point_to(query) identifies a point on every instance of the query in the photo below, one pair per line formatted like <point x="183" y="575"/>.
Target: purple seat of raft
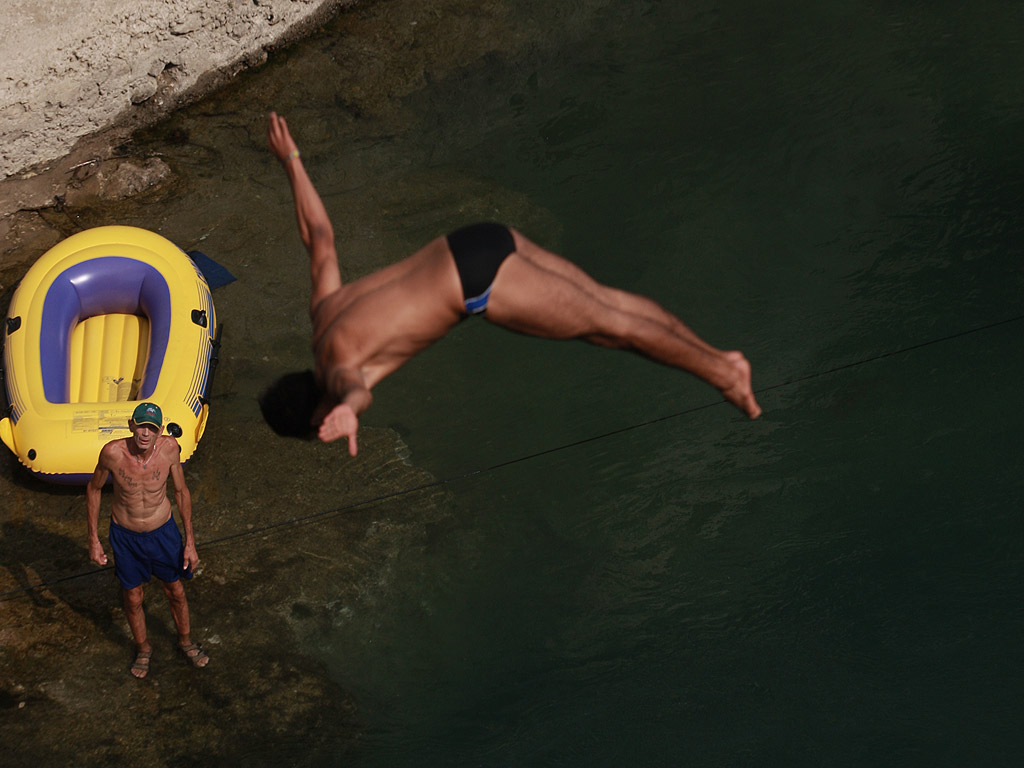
<point x="102" y="286"/>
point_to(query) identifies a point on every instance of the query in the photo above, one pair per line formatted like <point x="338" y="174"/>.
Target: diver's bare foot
<point x="140" y="667"/>
<point x="741" y="393"/>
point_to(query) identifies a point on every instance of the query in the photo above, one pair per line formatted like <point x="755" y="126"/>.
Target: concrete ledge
<point x="76" y="68"/>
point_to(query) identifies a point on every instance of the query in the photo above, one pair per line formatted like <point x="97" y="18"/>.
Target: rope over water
<point x="306" y="519"/>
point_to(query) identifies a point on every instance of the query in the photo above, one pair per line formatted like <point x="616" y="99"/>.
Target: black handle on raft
<point x="5" y="406"/>
<point x="199" y="317"/>
<point x="214" y="359"/>
<point x="13" y="324"/>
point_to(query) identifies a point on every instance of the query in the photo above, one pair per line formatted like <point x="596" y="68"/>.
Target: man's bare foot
<point x="140" y="667"/>
<point x="741" y="393"/>
<point x="196" y="655"/>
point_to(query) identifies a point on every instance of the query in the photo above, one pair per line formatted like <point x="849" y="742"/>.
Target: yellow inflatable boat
<point x="105" y="319"/>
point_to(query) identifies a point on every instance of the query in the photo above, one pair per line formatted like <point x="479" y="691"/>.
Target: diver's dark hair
<point x="288" y="404"/>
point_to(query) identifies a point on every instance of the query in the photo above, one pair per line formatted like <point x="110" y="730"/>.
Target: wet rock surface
<point x="66" y="695"/>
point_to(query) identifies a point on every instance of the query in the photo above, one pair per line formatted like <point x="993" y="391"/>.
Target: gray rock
<point x="68" y="70"/>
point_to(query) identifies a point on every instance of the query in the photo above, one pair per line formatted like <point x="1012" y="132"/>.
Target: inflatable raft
<point x="104" y="320"/>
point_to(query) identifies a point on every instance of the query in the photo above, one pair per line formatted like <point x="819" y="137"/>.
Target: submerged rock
<point x="117" y="179"/>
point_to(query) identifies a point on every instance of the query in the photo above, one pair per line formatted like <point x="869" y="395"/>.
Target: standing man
<point x="366" y="329"/>
<point x="143" y="535"/>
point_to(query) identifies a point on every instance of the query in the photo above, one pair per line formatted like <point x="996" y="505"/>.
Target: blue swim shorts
<point x="139" y="555"/>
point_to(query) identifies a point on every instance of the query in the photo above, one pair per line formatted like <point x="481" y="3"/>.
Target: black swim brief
<point x="479" y="250"/>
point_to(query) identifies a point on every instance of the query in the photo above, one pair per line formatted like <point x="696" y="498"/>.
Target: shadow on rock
<point x="49" y="568"/>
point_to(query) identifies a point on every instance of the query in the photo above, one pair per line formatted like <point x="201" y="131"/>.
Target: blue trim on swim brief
<point x="479" y="251"/>
<point x="478" y="304"/>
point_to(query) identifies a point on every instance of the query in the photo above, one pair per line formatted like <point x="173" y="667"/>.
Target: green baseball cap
<point x="148" y="413"/>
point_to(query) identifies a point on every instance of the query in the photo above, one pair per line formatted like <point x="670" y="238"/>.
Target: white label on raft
<point x="105" y="423"/>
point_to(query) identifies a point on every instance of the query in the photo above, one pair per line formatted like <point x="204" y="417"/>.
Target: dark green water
<point x="834" y="188"/>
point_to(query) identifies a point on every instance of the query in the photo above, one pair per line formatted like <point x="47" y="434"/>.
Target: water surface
<point x="620" y="569"/>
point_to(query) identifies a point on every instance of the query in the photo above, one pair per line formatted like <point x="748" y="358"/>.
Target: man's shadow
<point x="44" y="564"/>
<point x="47" y="565"/>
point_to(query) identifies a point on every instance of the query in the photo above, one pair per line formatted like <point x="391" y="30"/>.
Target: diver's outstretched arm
<point x="314" y="224"/>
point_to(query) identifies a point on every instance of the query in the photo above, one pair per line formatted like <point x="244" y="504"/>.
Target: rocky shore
<point x="77" y="78"/>
<point x="295" y="546"/>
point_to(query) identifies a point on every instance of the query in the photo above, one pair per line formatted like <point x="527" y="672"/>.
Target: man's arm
<point x="346" y="387"/>
<point x="314" y="225"/>
<point x="183" y="498"/>
<point x="93" y="495"/>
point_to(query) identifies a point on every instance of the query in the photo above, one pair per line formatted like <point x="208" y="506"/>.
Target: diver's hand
<point x="280" y="139"/>
<point x="340" y="422"/>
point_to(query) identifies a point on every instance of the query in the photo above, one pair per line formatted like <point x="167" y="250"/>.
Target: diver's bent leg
<point x="538" y="302"/>
<point x="623" y="300"/>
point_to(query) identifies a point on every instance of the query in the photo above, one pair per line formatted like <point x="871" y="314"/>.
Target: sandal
<point x="196" y="655"/>
<point x="140" y="667"/>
